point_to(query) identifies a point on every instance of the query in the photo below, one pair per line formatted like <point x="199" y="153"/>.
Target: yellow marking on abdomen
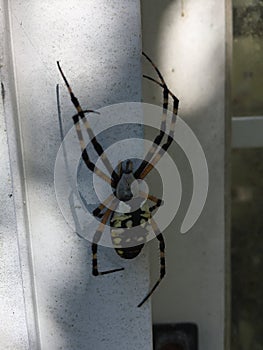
<point x="129" y="224"/>
<point x="116" y="240"/>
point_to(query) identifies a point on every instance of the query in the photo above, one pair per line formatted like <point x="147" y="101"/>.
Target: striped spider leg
<point x="160" y="238"/>
<point x="95" y="241"/>
<point x="98" y="148"/>
<point x="151" y="158"/>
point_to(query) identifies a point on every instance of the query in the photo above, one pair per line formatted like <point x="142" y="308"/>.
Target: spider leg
<point x="96" y="239"/>
<point x="85" y="156"/>
<point x="162" y="84"/>
<point x="155" y="67"/>
<point x="170" y="136"/>
<point x="97" y="212"/>
<point x="145" y="167"/>
<point x="164" y="147"/>
<point x="157" y="205"/>
<point x="98" y="148"/>
<point x="160" y="238"/>
<point x="160" y="136"/>
<point x="90" y="165"/>
<point x="158" y="202"/>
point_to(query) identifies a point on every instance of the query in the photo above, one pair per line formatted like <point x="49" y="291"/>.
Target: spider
<point x="129" y="228"/>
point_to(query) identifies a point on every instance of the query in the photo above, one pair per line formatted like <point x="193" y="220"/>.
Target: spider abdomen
<point x="129" y="253"/>
<point x="129" y="231"/>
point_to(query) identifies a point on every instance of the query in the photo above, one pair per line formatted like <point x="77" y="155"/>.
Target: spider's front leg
<point x="152" y="157"/>
<point x="98" y="148"/>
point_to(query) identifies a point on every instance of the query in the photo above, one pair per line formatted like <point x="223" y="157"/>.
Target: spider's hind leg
<point x="160" y="238"/>
<point x="94" y="247"/>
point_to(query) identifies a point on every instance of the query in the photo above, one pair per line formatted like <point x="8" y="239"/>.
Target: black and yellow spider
<point x="129" y="229"/>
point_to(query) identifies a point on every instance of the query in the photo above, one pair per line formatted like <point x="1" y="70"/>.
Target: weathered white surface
<point x="18" y="326"/>
<point x="13" y="330"/>
<point x="98" y="45"/>
<point x="189" y="49"/>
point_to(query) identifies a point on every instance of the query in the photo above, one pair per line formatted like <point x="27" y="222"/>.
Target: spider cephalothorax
<point x="126" y="187"/>
<point x="127" y="209"/>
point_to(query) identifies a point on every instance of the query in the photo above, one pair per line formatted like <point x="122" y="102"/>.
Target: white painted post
<point x="188" y="41"/>
<point x="98" y="46"/>
<point x="13" y="330"/>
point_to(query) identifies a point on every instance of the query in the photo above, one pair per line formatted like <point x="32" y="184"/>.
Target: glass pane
<point x="247" y="249"/>
<point x="247" y="82"/>
<point x="247" y="180"/>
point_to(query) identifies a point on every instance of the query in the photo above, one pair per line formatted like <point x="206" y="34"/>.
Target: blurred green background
<point x="247" y="180"/>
